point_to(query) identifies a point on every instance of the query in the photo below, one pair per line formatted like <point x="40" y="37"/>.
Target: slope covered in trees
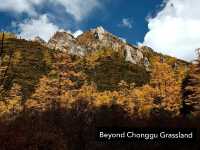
<point x="36" y="75"/>
<point x="50" y="99"/>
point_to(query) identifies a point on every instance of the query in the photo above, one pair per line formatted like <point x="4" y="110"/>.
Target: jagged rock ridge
<point x="66" y="42"/>
<point x="93" y="40"/>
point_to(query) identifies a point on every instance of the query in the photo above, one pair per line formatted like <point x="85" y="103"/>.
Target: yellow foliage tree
<point x="12" y="104"/>
<point x="166" y="86"/>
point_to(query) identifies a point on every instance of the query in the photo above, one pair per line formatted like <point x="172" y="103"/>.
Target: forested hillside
<point x="53" y="99"/>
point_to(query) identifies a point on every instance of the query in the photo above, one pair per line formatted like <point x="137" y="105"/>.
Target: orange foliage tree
<point x="167" y="87"/>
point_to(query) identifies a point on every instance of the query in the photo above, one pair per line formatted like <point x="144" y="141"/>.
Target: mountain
<point x="110" y="56"/>
<point x="104" y="58"/>
<point x="54" y="94"/>
<point x="99" y="39"/>
<point x="93" y="40"/>
<point x="96" y="57"/>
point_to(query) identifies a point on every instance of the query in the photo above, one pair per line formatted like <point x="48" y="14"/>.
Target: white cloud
<point x="39" y="24"/>
<point x="126" y="22"/>
<point x="176" y="29"/>
<point x="20" y="6"/>
<point x="41" y="27"/>
<point x="79" y="9"/>
<point x="77" y="33"/>
<point x="37" y="27"/>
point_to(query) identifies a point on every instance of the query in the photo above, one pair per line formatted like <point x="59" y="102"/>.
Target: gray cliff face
<point x="65" y="42"/>
<point x="133" y="55"/>
<point x="93" y="40"/>
<point x="61" y="40"/>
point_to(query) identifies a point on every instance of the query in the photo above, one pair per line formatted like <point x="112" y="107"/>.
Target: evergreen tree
<point x="191" y="90"/>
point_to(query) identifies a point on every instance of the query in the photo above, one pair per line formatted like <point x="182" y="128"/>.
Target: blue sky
<point x="168" y="26"/>
<point x="110" y="15"/>
<point x="134" y="11"/>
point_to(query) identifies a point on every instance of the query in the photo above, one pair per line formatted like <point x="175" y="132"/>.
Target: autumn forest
<point x="53" y="100"/>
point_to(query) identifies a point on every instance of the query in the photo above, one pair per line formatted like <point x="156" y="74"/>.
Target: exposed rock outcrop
<point x="65" y="42"/>
<point x="94" y="40"/>
<point x="99" y="38"/>
<point x="133" y="55"/>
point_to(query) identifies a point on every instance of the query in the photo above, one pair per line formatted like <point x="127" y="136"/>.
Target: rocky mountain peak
<point x="99" y="32"/>
<point x="64" y="41"/>
<point x="39" y="40"/>
<point x="62" y="36"/>
<point x="99" y="38"/>
<point x="61" y="41"/>
<point x="94" y="40"/>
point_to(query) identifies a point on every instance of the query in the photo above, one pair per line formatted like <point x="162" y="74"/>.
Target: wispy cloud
<point x="79" y="9"/>
<point x="127" y="23"/>
<point x="20" y="6"/>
